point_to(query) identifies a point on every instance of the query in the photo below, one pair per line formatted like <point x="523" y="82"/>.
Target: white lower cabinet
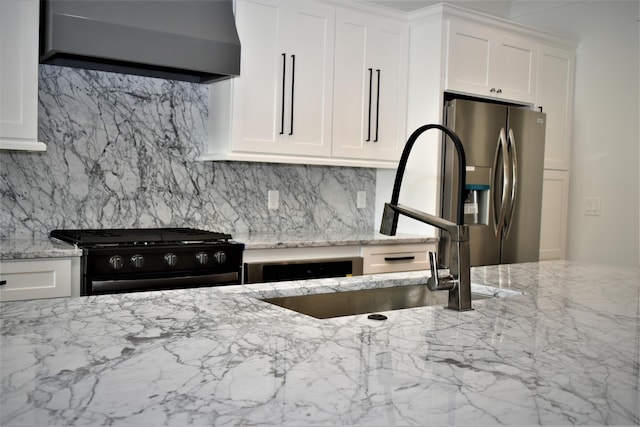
<point x="39" y="278"/>
<point x="555" y="201"/>
<point x="395" y="258"/>
<point x="381" y="258"/>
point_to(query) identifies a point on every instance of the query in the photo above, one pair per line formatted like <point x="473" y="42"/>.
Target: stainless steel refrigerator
<point x="504" y="148"/>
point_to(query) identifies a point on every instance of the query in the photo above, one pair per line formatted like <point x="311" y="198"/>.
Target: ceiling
<point x="502" y="8"/>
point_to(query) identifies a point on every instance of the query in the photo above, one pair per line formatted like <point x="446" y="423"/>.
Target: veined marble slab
<point x="122" y="152"/>
<point x="565" y="352"/>
<point x="324" y="238"/>
<point x="36" y="248"/>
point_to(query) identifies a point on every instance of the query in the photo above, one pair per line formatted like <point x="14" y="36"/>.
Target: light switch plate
<point x="361" y="200"/>
<point x="273" y="199"/>
<point x="592" y="206"/>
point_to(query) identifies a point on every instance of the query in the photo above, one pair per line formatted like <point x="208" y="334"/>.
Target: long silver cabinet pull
<point x="377" y="105"/>
<point x="293" y="79"/>
<point x="370" y="102"/>
<point x="511" y="142"/>
<point x="284" y="76"/>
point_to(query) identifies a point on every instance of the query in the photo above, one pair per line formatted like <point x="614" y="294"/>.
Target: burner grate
<point x="138" y="236"/>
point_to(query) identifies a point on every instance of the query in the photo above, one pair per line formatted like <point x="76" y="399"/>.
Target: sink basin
<point x="336" y="304"/>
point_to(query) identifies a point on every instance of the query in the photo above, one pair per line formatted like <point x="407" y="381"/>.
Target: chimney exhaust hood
<point x="188" y="40"/>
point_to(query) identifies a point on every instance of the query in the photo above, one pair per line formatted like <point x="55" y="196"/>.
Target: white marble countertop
<point x="305" y="239"/>
<point x="565" y="352"/>
<point x="48" y="248"/>
<point x="36" y="248"/>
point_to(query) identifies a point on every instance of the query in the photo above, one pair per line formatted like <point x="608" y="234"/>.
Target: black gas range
<point x="143" y="259"/>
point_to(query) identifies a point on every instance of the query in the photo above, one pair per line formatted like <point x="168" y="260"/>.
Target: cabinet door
<point x="490" y="63"/>
<point x="554" y="94"/>
<point x="257" y="94"/>
<point x="309" y="47"/>
<point x="282" y="99"/>
<point x="513" y="68"/>
<point x="370" y="87"/>
<point x="33" y="279"/>
<point x="469" y="56"/>
<point x="19" y="75"/>
<point x="393" y="258"/>
<point x="389" y="53"/>
<point x="553" y="228"/>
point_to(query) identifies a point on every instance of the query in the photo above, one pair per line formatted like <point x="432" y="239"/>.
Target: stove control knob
<point x="116" y="262"/>
<point x="137" y="260"/>
<point x="171" y="259"/>
<point x="202" y="258"/>
<point x="220" y="257"/>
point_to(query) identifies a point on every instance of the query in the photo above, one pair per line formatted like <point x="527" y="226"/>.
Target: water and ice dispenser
<point x="477" y="195"/>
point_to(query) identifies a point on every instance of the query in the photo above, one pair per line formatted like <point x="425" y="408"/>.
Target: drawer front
<point x="33" y="279"/>
<point x="395" y="258"/>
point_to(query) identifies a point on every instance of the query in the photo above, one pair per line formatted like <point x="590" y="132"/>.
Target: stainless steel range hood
<point x="189" y="40"/>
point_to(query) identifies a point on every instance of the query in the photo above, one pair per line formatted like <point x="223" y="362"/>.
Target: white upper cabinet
<point x="305" y="88"/>
<point x="489" y="62"/>
<point x="370" y="95"/>
<point x="281" y="103"/>
<point x="554" y="95"/>
<point x="19" y="21"/>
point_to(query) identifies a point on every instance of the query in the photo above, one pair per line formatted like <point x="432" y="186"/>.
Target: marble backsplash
<point x="122" y="152"/>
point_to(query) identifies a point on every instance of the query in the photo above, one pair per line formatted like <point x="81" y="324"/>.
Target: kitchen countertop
<point x="306" y="239"/>
<point x="36" y="248"/>
<point x="48" y="248"/>
<point x="565" y="352"/>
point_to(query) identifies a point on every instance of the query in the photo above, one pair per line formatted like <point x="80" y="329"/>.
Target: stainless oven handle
<point x="101" y="286"/>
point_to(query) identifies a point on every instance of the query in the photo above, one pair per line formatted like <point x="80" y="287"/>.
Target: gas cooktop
<point x="138" y="236"/>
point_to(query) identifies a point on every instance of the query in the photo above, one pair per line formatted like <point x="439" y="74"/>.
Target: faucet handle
<point x="434" y="283"/>
<point x="433" y="265"/>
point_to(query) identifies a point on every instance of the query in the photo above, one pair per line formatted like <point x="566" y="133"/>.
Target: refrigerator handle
<point x="514" y="182"/>
<point x="501" y="212"/>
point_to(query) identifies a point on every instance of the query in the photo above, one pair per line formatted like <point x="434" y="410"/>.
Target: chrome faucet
<point x="458" y="282"/>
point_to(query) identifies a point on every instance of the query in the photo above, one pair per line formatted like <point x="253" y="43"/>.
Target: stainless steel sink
<point x="336" y="304"/>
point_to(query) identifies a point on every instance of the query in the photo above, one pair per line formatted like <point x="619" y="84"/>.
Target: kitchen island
<point x="567" y="351"/>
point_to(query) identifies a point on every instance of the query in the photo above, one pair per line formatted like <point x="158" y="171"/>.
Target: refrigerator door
<point x="478" y="125"/>
<point x="522" y="243"/>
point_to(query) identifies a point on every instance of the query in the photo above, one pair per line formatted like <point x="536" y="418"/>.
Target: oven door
<point x="98" y="285"/>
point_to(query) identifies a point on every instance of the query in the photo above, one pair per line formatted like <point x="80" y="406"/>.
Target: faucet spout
<point x="459" y="282"/>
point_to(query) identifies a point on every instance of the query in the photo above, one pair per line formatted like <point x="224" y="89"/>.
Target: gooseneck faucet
<point x="458" y="283"/>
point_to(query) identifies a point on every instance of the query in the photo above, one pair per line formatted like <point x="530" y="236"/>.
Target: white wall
<point x="606" y="139"/>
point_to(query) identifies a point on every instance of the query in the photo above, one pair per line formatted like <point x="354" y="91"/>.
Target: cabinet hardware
<point x="399" y="258"/>
<point x="370" y="102"/>
<point x="499" y="91"/>
<point x="377" y="105"/>
<point x="3" y="282"/>
<point x="284" y="92"/>
<point x="284" y="72"/>
<point x="293" y="77"/>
